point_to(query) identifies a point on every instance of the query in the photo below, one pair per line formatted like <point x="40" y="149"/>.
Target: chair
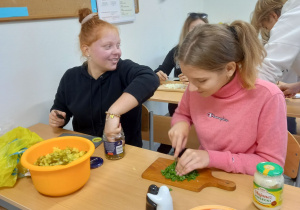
<point x="292" y="161"/>
<point x="155" y="129"/>
<point x="147" y="126"/>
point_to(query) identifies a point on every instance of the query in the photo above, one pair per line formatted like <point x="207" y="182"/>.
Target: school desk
<point x="118" y="185"/>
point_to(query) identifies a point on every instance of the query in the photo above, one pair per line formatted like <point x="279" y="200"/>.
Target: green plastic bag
<point x="12" y="145"/>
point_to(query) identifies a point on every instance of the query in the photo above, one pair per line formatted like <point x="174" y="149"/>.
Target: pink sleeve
<point x="182" y="113"/>
<point x="271" y="141"/>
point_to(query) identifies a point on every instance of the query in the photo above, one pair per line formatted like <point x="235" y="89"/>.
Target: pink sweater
<point x="237" y="127"/>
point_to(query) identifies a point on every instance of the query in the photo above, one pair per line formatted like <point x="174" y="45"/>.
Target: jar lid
<point x="96" y="162"/>
<point x="269" y="169"/>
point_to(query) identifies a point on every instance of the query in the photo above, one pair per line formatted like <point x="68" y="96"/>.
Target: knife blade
<point x="180" y="154"/>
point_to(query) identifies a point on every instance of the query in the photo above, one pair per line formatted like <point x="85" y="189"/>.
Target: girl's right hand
<point x="162" y="76"/>
<point x="178" y="135"/>
<point x="56" y="121"/>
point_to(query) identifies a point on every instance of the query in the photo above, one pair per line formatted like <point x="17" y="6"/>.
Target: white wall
<point x="35" y="54"/>
<point x="229" y="10"/>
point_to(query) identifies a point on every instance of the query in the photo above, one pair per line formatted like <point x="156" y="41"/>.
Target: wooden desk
<point x="118" y="185"/>
<point x="293" y="107"/>
<point x="166" y="96"/>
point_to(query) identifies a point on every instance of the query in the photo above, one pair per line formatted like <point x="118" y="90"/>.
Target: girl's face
<point x="105" y="53"/>
<point x="195" y="23"/>
<point x="207" y="82"/>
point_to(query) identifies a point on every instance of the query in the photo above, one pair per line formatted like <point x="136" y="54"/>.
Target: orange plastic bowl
<point x="62" y="179"/>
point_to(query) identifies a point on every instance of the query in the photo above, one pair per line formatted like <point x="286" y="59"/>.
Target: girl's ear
<point x="230" y="68"/>
<point x="85" y="50"/>
<point x="274" y="16"/>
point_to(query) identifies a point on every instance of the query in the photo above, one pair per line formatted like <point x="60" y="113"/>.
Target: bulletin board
<point x="45" y="9"/>
<point x="42" y="9"/>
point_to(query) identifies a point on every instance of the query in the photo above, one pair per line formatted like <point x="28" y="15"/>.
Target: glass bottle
<point x="268" y="186"/>
<point x="114" y="150"/>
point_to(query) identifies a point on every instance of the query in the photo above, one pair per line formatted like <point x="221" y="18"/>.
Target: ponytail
<point x="253" y="52"/>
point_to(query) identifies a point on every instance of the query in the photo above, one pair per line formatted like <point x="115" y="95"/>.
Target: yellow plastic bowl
<point x="62" y="179"/>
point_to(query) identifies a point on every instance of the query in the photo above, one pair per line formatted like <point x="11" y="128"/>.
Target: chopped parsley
<point x="170" y="173"/>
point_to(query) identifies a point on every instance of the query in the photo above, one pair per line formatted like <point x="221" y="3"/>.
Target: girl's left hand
<point x="192" y="159"/>
<point x="112" y="128"/>
<point x="183" y="78"/>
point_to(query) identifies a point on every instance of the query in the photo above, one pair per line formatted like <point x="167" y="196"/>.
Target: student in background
<point x="170" y="63"/>
<point x="239" y="119"/>
<point x="105" y="93"/>
<point x="279" y="19"/>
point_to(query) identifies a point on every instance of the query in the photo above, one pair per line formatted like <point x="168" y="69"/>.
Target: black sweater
<point x="169" y="63"/>
<point x="86" y="99"/>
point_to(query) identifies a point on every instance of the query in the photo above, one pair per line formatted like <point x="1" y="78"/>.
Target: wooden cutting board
<point x="205" y="178"/>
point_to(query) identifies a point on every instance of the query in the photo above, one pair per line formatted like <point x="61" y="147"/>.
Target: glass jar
<point x="114" y="150"/>
<point x="267" y="186"/>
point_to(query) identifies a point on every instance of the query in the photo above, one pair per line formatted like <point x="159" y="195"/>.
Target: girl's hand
<point x="162" y="76"/>
<point x="112" y="128"/>
<point x="183" y="78"/>
<point x="178" y="135"/>
<point x="55" y="118"/>
<point x="190" y="160"/>
<point x="289" y="90"/>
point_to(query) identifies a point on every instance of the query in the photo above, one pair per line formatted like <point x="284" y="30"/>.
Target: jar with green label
<point x="268" y="186"/>
<point x="114" y="150"/>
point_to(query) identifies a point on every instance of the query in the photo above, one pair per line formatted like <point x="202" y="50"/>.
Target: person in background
<point x="170" y="63"/>
<point x="105" y="93"/>
<point x="239" y="119"/>
<point x="279" y="19"/>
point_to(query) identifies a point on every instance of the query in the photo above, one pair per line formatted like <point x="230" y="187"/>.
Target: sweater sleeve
<point x="169" y="63"/>
<point x="277" y="61"/>
<point x="271" y="142"/>
<point x="140" y="81"/>
<point x="182" y="113"/>
<point x="60" y="99"/>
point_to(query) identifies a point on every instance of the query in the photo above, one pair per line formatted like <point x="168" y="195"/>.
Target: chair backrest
<point x="292" y="160"/>
<point x="145" y="119"/>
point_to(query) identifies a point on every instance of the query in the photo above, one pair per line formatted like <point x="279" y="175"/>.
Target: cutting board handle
<point x="224" y="184"/>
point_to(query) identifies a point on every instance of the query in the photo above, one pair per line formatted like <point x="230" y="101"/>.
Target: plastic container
<point x="114" y="150"/>
<point x="61" y="179"/>
<point x="268" y="186"/>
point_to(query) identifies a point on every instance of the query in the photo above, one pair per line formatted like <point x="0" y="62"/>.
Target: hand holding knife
<point x="180" y="154"/>
<point x="59" y="115"/>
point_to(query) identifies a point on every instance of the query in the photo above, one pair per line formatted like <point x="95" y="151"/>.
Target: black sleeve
<point x="60" y="99"/>
<point x="169" y="62"/>
<point x="140" y="81"/>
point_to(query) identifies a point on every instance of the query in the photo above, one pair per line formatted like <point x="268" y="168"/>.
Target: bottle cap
<point x="96" y="162"/>
<point x="269" y="169"/>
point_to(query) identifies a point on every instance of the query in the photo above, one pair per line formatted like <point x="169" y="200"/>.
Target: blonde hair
<point x="191" y="18"/>
<point x="262" y="11"/>
<point x="92" y="27"/>
<point x="213" y="46"/>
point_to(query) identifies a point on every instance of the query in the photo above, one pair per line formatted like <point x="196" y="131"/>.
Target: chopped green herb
<point x="170" y="173"/>
<point x="170" y="189"/>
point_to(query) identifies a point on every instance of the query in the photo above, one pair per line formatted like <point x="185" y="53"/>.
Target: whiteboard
<point x="116" y="11"/>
